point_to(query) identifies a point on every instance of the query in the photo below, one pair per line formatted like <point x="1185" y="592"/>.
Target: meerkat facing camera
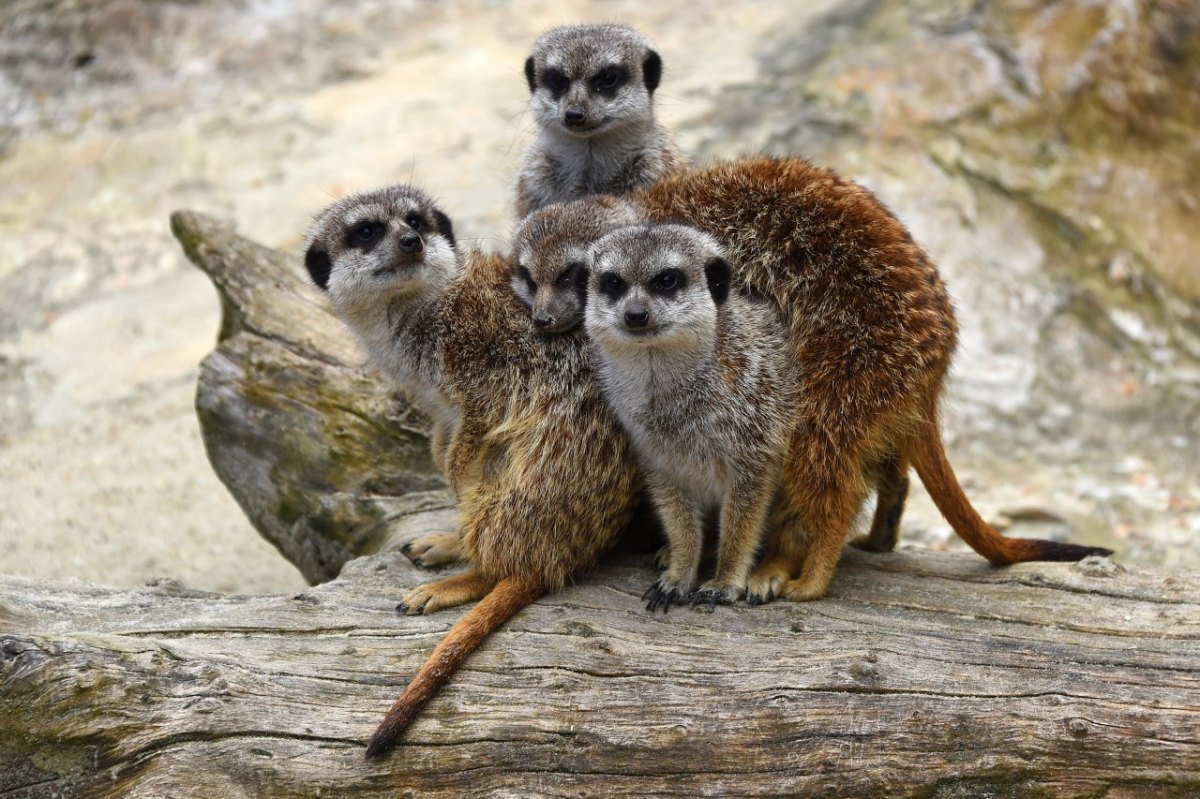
<point x="592" y="95"/>
<point x="702" y="381"/>
<point x="526" y="411"/>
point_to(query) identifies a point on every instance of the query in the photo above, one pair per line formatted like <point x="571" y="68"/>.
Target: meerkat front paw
<point x="664" y="593"/>
<point x="802" y="590"/>
<point x="433" y="550"/>
<point x="712" y="593"/>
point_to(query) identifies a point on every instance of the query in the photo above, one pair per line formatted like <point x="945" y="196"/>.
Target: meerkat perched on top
<point x="528" y="418"/>
<point x="871" y="323"/>
<point x="592" y="95"/>
<point x="702" y="382"/>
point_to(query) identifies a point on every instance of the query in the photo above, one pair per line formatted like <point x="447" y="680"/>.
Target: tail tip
<point x="380" y="742"/>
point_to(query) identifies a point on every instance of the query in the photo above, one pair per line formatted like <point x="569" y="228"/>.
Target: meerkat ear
<point x="530" y="75"/>
<point x="444" y="226"/>
<point x="718" y="273"/>
<point x="316" y="261"/>
<point x="652" y="71"/>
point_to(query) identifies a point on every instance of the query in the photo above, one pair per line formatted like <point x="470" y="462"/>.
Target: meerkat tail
<point x="509" y="596"/>
<point x="929" y="459"/>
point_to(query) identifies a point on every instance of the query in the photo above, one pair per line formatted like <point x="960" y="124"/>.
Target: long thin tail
<point x="509" y="596"/>
<point x="929" y="459"/>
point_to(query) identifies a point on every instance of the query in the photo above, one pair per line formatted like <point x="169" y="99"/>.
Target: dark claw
<point x="657" y="598"/>
<point x="709" y="598"/>
<point x="406" y="549"/>
<point x="754" y="599"/>
<point x="402" y="607"/>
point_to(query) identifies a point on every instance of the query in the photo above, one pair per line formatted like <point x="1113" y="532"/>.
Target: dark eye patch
<point x="523" y="273"/>
<point x="612" y="285"/>
<point x="609" y="80"/>
<point x="668" y="282"/>
<point x="556" y="82"/>
<point x="572" y="274"/>
<point x="365" y="234"/>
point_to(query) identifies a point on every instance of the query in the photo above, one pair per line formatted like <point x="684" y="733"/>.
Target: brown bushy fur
<point x="872" y="325"/>
<point x="544" y="477"/>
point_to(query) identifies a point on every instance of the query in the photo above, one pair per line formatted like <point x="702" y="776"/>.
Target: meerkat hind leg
<point x="457" y="589"/>
<point x="892" y="486"/>
<point x="828" y="522"/>
<point x="782" y="557"/>
<point x="429" y="551"/>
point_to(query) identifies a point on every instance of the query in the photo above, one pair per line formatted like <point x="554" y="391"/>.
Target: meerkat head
<point x="380" y="244"/>
<point x="550" y="253"/>
<point x="591" y="79"/>
<point x="656" y="286"/>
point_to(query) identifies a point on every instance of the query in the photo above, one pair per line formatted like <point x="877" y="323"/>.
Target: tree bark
<point x="922" y="675"/>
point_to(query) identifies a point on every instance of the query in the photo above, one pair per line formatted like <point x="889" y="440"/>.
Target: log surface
<point x="922" y="675"/>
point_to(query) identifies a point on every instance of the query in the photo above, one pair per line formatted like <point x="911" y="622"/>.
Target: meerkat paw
<point x="433" y="550"/>
<point x="454" y="590"/>
<point x="712" y="593"/>
<point x="868" y="543"/>
<point x="804" y="590"/>
<point x="767" y="581"/>
<point x="664" y="593"/>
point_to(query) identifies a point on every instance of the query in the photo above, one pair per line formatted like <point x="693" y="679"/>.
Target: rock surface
<point x="1044" y="152"/>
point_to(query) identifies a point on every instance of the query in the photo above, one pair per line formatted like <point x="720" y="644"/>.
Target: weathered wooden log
<point x="316" y="447"/>
<point x="922" y="675"/>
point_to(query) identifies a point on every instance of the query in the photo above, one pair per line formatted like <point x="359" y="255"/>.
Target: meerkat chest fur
<point x="701" y="379"/>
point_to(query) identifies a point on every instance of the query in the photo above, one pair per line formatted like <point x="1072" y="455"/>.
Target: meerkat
<point x="544" y="477"/>
<point x="592" y="94"/>
<point x="701" y="380"/>
<point x="871" y="321"/>
<point x="550" y="251"/>
<point x="872" y="325"/>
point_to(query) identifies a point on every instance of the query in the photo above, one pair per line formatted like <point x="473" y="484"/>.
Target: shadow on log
<point x="922" y="674"/>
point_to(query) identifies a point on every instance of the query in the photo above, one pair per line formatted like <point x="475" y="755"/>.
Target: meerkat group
<point x="759" y="340"/>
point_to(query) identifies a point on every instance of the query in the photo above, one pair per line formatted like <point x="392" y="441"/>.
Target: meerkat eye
<point x="530" y="283"/>
<point x="415" y="222"/>
<point x="366" y="233"/>
<point x="556" y="81"/>
<point x="608" y="78"/>
<point x="612" y="286"/>
<point x="667" y="281"/>
<point x="572" y="274"/>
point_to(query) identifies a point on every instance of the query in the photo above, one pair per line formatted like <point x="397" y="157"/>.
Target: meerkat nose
<point x="540" y="321"/>
<point x="636" y="316"/>
<point x="574" y="116"/>
<point x="410" y="242"/>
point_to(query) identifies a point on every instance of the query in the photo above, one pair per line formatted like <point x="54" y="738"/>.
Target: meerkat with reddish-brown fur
<point x="550" y="249"/>
<point x="703" y="384"/>
<point x="591" y="92"/>
<point x="874" y="329"/>
<point x="872" y="325"/>
<point x="529" y="424"/>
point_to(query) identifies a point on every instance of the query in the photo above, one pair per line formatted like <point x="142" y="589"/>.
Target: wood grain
<point x="922" y="675"/>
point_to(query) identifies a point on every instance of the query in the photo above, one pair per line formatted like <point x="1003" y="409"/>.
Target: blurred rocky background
<point x="1046" y="153"/>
